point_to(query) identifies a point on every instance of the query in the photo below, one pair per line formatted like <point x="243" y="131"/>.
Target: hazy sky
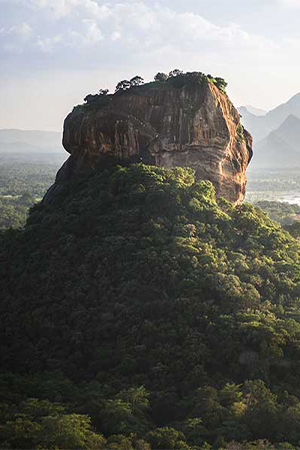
<point x="54" y="52"/>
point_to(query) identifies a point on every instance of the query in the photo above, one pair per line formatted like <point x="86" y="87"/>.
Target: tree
<point x="210" y="77"/>
<point x="119" y="442"/>
<point x="103" y="91"/>
<point x="160" y="76"/>
<point x="117" y="417"/>
<point x="166" y="438"/>
<point x="123" y="85"/>
<point x="136" y="81"/>
<point x="261" y="414"/>
<point x="136" y="397"/>
<point x="195" y="431"/>
<point x="19" y="433"/>
<point x="46" y="425"/>
<point x="90" y="98"/>
<point x="175" y="73"/>
<point x="221" y="84"/>
<point x="68" y="431"/>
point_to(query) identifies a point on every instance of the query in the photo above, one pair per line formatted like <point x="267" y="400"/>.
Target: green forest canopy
<point x="137" y="312"/>
<point x="176" y="79"/>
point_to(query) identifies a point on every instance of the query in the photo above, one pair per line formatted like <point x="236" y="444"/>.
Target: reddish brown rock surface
<point x="194" y="126"/>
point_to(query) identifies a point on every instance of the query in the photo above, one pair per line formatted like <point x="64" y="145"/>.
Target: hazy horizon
<point x="54" y="52"/>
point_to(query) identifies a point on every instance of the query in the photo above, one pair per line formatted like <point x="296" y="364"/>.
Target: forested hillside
<point x="21" y="185"/>
<point x="139" y="313"/>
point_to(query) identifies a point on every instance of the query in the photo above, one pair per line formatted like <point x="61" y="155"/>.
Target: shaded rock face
<point x="196" y="126"/>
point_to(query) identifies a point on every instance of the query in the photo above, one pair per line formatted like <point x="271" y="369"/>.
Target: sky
<point x="55" y="52"/>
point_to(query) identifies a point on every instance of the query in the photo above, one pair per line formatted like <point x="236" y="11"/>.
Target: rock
<point x="195" y="126"/>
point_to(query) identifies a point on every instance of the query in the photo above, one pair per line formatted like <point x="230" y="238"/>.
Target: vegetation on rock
<point x="240" y="132"/>
<point x="176" y="78"/>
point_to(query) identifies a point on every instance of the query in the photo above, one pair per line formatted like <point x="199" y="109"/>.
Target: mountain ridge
<point x="281" y="147"/>
<point x="254" y="110"/>
<point x="30" y="142"/>
<point x="261" y="126"/>
<point x="289" y="130"/>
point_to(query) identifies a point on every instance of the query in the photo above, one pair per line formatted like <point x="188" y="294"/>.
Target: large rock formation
<point x="195" y="126"/>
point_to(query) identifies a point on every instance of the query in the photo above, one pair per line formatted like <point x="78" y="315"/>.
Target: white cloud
<point x="154" y="27"/>
<point x="132" y="27"/>
<point x="125" y="37"/>
<point x="93" y="33"/>
<point x="59" y="8"/>
<point x="90" y="35"/>
<point x="63" y="8"/>
<point x="22" y="31"/>
<point x="25" y="30"/>
<point x="116" y="35"/>
<point x="142" y="26"/>
<point x="46" y="45"/>
<point x="15" y="38"/>
<point x="290" y="3"/>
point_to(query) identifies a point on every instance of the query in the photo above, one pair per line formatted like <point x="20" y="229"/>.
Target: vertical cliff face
<point x="194" y="126"/>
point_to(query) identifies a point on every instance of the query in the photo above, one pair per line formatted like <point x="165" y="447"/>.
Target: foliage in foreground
<point x="136" y="312"/>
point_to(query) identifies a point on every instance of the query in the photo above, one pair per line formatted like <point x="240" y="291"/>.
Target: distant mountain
<point x="281" y="148"/>
<point x="277" y="116"/>
<point x="274" y="152"/>
<point x="21" y="141"/>
<point x="256" y="111"/>
<point x="18" y="147"/>
<point x="289" y="130"/>
<point x="261" y="126"/>
<point x="256" y="125"/>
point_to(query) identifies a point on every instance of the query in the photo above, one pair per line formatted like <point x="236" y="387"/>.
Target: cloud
<point x="25" y="30"/>
<point x="46" y="45"/>
<point x="87" y="33"/>
<point x="14" y="39"/>
<point x="116" y="35"/>
<point x="290" y="3"/>
<point x="58" y="8"/>
<point x="127" y="28"/>
<point x="63" y="8"/>
<point x="90" y="35"/>
<point x="98" y="42"/>
<point x="22" y="31"/>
